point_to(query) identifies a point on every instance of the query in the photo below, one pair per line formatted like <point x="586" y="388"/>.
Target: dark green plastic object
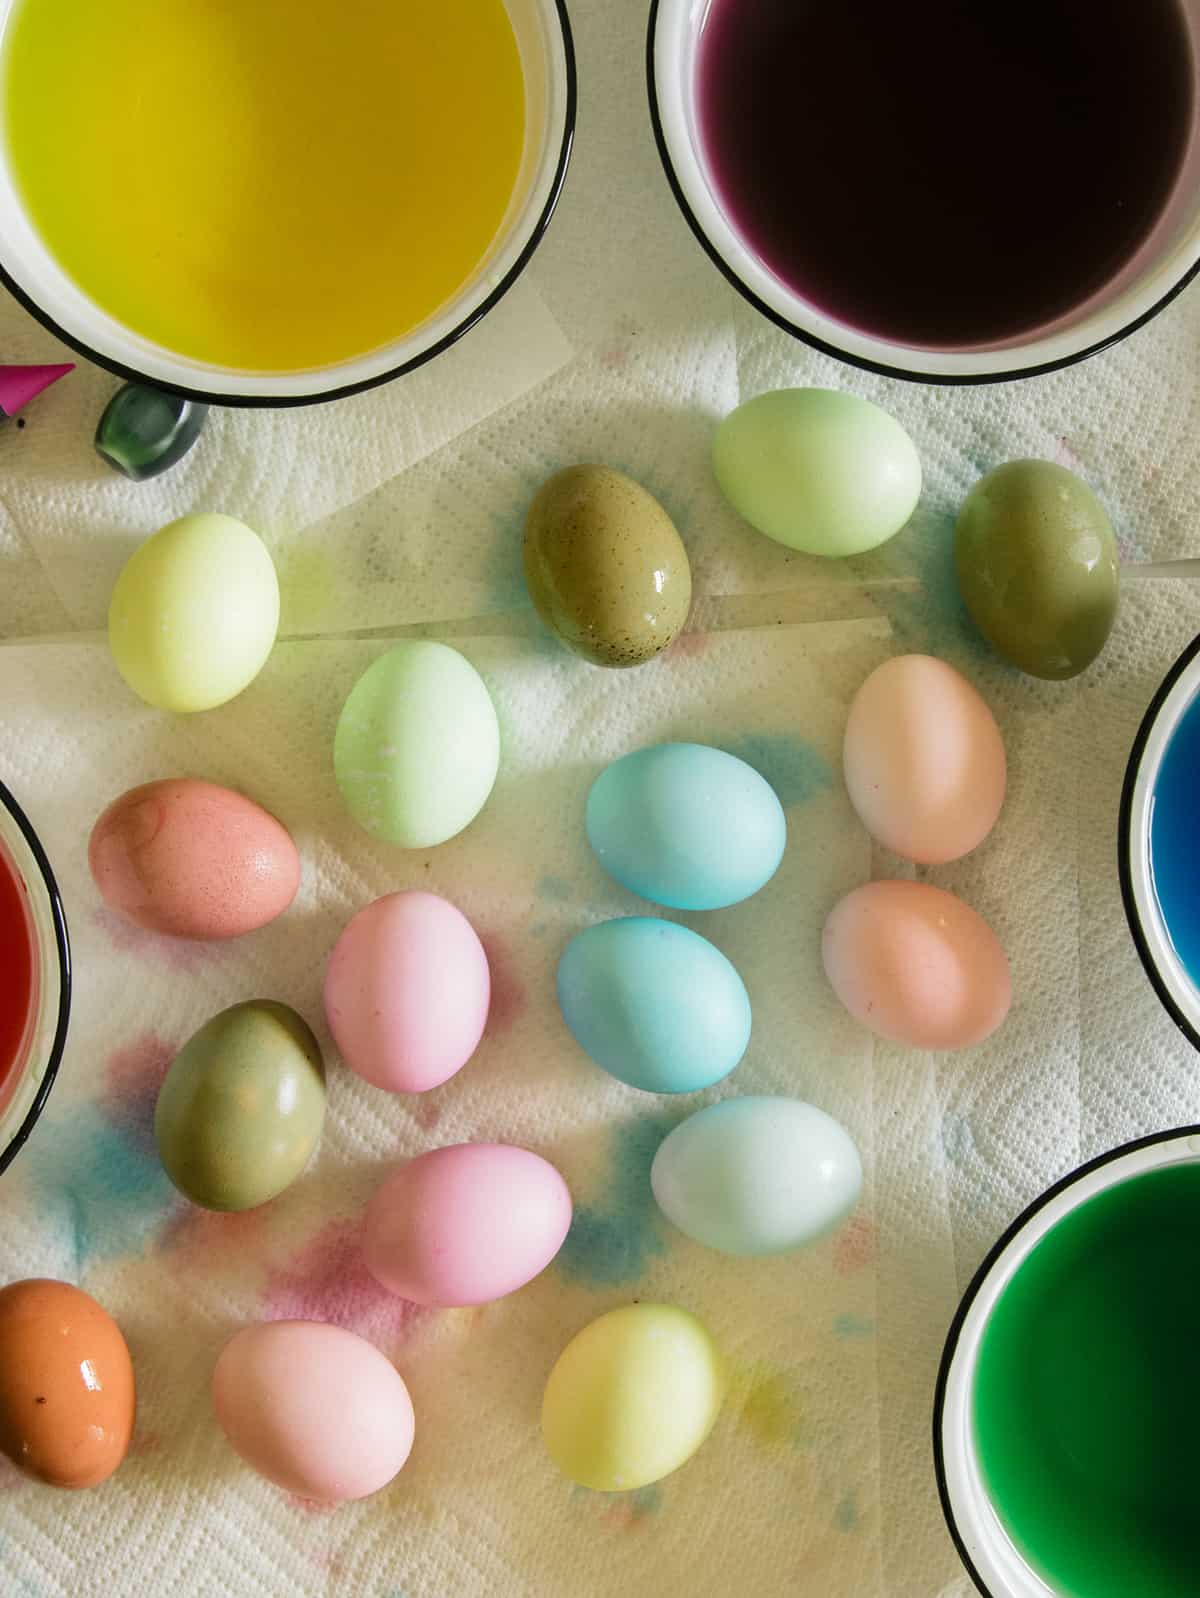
<point x="1038" y="567"/>
<point x="145" y="432"/>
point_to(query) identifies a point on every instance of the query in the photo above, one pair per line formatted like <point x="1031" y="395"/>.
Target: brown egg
<point x="194" y="860"/>
<point x="67" y="1398"/>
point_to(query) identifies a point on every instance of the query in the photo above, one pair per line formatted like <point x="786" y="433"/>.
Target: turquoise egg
<point x="686" y="826"/>
<point x="654" y="1004"/>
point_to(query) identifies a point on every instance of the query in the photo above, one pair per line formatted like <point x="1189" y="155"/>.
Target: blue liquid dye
<point x="1175" y="839"/>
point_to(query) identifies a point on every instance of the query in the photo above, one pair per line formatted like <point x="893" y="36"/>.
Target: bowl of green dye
<point x="1067" y="1414"/>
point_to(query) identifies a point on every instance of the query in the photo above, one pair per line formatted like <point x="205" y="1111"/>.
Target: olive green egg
<point x="240" y="1111"/>
<point x="1038" y="567"/>
<point x="605" y="566"/>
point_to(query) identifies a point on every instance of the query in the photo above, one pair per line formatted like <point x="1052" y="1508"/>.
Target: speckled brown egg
<point x="193" y="859"/>
<point x="605" y="567"/>
<point x="67" y="1399"/>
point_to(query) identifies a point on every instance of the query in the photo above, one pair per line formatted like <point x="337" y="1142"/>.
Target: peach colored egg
<point x="924" y="760"/>
<point x="916" y="965"/>
<point x="193" y="859"/>
<point x="315" y="1409"/>
<point x="466" y="1224"/>
<point x="407" y="991"/>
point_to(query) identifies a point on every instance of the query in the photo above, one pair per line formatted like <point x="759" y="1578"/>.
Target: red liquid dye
<point x="16" y="972"/>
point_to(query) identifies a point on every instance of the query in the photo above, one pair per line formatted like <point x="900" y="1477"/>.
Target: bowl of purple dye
<point x="951" y="191"/>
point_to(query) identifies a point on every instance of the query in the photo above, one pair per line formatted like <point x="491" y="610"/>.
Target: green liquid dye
<point x="1087" y="1395"/>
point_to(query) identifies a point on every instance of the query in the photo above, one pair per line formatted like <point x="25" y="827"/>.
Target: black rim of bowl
<point x="968" y="1299"/>
<point x="64" y="965"/>
<point x="290" y="401"/>
<point x="1125" y="850"/>
<point x="864" y="363"/>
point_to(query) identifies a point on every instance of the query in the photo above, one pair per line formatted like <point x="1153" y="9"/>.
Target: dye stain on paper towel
<point x="328" y="1280"/>
<point x="611" y="1240"/>
<point x="770" y="1405"/>
<point x="795" y="768"/>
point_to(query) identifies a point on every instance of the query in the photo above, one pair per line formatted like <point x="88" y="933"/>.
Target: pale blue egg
<point x="757" y="1175"/>
<point x="686" y="826"/>
<point x="655" y="1004"/>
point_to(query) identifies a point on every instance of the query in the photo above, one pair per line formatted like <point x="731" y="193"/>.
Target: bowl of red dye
<point x="945" y="192"/>
<point x="35" y="978"/>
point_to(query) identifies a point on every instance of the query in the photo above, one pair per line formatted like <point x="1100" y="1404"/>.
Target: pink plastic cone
<point x="20" y="384"/>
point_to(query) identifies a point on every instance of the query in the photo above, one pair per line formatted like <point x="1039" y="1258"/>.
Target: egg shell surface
<point x="916" y="965"/>
<point x="193" y="860"/>
<point x="818" y="470"/>
<point x="686" y="826"/>
<point x="757" y="1175"/>
<point x="605" y="567"/>
<point x="67" y="1396"/>
<point x="407" y="991"/>
<point x="240" y="1111"/>
<point x="655" y="1004"/>
<point x="417" y="746"/>
<point x="194" y="613"/>
<point x="924" y="760"/>
<point x="632" y="1397"/>
<point x="466" y="1224"/>
<point x="314" y="1408"/>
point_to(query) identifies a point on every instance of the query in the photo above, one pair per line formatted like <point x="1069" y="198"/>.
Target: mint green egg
<point x="417" y="745"/>
<point x="817" y="470"/>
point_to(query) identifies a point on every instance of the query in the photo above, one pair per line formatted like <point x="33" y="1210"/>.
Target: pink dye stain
<point x="854" y="1246"/>
<point x="427" y="1114"/>
<point x="328" y="1280"/>
<point x="310" y="1506"/>
<point x="509" y="1000"/>
<point x="688" y="646"/>
<point x="182" y="954"/>
<point x="1064" y="455"/>
<point x="132" y="1078"/>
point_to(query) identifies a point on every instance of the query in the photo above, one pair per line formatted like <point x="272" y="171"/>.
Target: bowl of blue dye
<point x="1159" y="859"/>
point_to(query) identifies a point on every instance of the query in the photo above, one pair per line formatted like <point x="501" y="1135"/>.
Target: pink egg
<point x="407" y="992"/>
<point x="194" y="860"/>
<point x="313" y="1408"/>
<point x="466" y="1224"/>
<point x="916" y="965"/>
<point x="924" y="760"/>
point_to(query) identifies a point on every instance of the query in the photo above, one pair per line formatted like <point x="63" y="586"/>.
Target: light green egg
<point x="194" y="613"/>
<point x="417" y="745"/>
<point x="817" y="470"/>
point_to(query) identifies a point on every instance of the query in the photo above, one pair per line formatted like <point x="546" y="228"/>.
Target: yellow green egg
<point x="632" y="1397"/>
<point x="194" y="613"/>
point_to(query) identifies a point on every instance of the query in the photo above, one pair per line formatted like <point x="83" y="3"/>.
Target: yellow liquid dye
<point x="265" y="184"/>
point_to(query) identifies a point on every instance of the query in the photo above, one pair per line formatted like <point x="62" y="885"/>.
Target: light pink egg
<point x="407" y="992"/>
<point x="313" y="1408"/>
<point x="193" y="859"/>
<point x="917" y="965"/>
<point x="924" y="760"/>
<point x="466" y="1224"/>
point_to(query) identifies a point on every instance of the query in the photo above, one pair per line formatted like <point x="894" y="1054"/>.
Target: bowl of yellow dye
<point x="274" y="202"/>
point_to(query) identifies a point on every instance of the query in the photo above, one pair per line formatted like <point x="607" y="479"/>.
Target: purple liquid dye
<point x="945" y="172"/>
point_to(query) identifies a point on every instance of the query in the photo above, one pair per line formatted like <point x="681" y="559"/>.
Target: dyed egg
<point x="466" y="1224"/>
<point x="1038" y="567"/>
<point x="240" y="1111"/>
<point x="757" y="1175"/>
<point x="924" y="760"/>
<point x="194" y="860"/>
<point x="632" y="1397"/>
<point x="605" y="567"/>
<point x="194" y="613"/>
<point x="654" y="1004"/>
<point x="313" y="1408"/>
<point x="916" y="965"/>
<point x="417" y="746"/>
<point x="407" y="992"/>
<point x="67" y="1398"/>
<point x="687" y="826"/>
<point x="817" y="470"/>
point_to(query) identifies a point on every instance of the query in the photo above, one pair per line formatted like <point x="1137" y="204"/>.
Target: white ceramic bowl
<point x="31" y="273"/>
<point x="46" y="1030"/>
<point x="1165" y="264"/>
<point x="984" y="1546"/>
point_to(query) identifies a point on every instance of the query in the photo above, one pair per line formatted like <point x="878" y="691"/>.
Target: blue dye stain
<point x="555" y="889"/>
<point x="932" y="618"/>
<point x="845" y="1516"/>
<point x="795" y="769"/>
<point x="958" y="1141"/>
<point x="108" y="1189"/>
<point x="610" y="1241"/>
<point x="503" y="565"/>
<point x="853" y="1326"/>
<point x="646" y="1501"/>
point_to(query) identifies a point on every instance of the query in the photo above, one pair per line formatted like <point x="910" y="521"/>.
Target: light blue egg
<point x="655" y="1004"/>
<point x="757" y="1175"/>
<point x="686" y="826"/>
